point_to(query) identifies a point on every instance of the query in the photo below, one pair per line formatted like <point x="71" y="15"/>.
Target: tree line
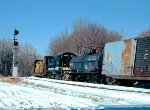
<point x="24" y="58"/>
<point x="83" y="35"/>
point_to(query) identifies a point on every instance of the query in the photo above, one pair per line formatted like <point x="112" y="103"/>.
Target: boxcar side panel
<point x="119" y="58"/>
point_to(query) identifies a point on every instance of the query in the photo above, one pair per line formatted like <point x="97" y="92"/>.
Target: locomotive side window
<point x="51" y="63"/>
<point x="65" y="60"/>
<point x="58" y="61"/>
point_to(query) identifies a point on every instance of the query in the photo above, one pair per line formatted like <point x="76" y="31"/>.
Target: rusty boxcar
<point x="127" y="60"/>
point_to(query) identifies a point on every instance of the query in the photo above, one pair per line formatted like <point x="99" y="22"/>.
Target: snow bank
<point x="40" y="93"/>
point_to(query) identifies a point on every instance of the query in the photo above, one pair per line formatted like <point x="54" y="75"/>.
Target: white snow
<point x="41" y="93"/>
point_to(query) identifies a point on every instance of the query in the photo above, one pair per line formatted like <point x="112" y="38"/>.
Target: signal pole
<point x="15" y="69"/>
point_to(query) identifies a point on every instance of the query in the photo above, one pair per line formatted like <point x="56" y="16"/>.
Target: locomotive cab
<point x="59" y="65"/>
<point x="63" y="59"/>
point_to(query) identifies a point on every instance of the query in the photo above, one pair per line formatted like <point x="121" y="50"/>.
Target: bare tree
<point x="26" y="57"/>
<point x="145" y="33"/>
<point x="58" y="44"/>
<point x="84" y="34"/>
<point x="5" y="56"/>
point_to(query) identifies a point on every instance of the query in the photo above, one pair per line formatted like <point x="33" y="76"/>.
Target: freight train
<point x="121" y="62"/>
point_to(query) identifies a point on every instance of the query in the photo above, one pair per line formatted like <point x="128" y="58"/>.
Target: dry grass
<point x="1" y="75"/>
<point x="18" y="80"/>
<point x="10" y="79"/>
<point x="118" y="100"/>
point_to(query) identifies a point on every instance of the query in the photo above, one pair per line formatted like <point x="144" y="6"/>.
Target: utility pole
<point x="15" y="69"/>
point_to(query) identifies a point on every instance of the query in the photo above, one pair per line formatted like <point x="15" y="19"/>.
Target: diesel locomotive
<point x="53" y="66"/>
<point x="122" y="62"/>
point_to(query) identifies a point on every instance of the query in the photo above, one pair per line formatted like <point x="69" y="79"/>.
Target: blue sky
<point x="40" y="20"/>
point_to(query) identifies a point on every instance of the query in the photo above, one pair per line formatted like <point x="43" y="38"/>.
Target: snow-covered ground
<point x="42" y="93"/>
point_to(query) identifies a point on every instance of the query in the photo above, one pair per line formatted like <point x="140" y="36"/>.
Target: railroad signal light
<point x="15" y="43"/>
<point x="16" y="32"/>
<point x="15" y="69"/>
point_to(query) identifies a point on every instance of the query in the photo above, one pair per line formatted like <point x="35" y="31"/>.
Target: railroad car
<point x="53" y="66"/>
<point x="59" y="66"/>
<point x="41" y="66"/>
<point x="87" y="67"/>
<point x="127" y="61"/>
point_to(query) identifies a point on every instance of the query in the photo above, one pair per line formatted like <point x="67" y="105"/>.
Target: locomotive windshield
<point x="64" y="59"/>
<point x="51" y="63"/>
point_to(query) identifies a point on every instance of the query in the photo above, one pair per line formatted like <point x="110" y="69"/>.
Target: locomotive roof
<point x="66" y="53"/>
<point x="93" y="57"/>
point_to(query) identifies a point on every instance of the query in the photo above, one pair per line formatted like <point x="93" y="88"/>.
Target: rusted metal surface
<point x="142" y="59"/>
<point x="119" y="58"/>
<point x="39" y="67"/>
<point x="126" y="54"/>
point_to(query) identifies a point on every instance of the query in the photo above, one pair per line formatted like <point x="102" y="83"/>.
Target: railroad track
<point x="95" y="92"/>
<point x="97" y="86"/>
